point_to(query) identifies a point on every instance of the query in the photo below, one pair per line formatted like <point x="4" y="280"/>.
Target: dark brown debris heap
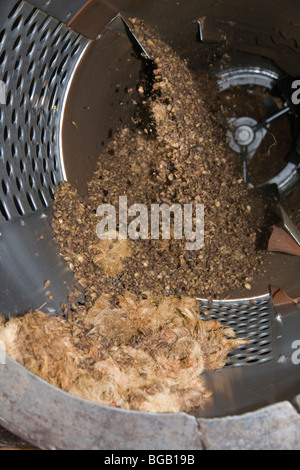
<point x="180" y="157"/>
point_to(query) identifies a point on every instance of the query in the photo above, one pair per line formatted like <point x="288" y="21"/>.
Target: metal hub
<point x="245" y="136"/>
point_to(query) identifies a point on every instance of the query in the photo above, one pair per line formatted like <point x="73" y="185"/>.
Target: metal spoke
<point x="268" y="121"/>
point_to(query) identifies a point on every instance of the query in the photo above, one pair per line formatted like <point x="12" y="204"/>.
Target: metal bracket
<point x="289" y="225"/>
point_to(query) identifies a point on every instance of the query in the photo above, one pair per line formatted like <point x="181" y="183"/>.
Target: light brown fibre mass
<point x="146" y="355"/>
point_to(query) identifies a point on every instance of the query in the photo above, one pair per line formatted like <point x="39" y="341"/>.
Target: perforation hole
<point x="22" y="166"/>
<point x="50" y="115"/>
<point x="52" y="98"/>
<point x="265" y="352"/>
<point x="19" y="82"/>
<point x="44" y="23"/>
<point x="2" y="35"/>
<point x="22" y="100"/>
<point x="42" y="198"/>
<point x="8" y="169"/>
<point x="53" y="137"/>
<point x="45" y="35"/>
<point x="5" y="77"/>
<point x="43" y="71"/>
<point x="9" y="98"/>
<point x="43" y="135"/>
<point x="49" y="150"/>
<point x="30" y="48"/>
<point x="263" y="320"/>
<point x="55" y="40"/>
<point x="29" y="17"/>
<point x="18" y="205"/>
<point x="43" y="53"/>
<point x="3" y="210"/>
<point x="53" y="59"/>
<point x="61" y="65"/>
<point x="53" y="179"/>
<point x="31" y="202"/>
<point x="26" y="149"/>
<point x="13" y="116"/>
<point x="15" y="9"/>
<point x="75" y="50"/>
<point x="45" y="166"/>
<point x="13" y="150"/>
<point x="55" y="163"/>
<point x="57" y="27"/>
<point x="42" y="96"/>
<point x="4" y="188"/>
<point x="17" y="22"/>
<point x="264" y="327"/>
<point x="17" y="43"/>
<point x="37" y="150"/>
<point x="32" y="88"/>
<point x="18" y="184"/>
<point x="2" y="57"/>
<point x="30" y="68"/>
<point x="33" y="164"/>
<point x="264" y="343"/>
<point x="31" y="29"/>
<point x="18" y="63"/>
<point x="63" y="77"/>
<point x="52" y="77"/>
<point x="5" y="133"/>
<point x="42" y="179"/>
<point x="51" y="192"/>
<point x="31" y="181"/>
<point x="252" y="360"/>
<point x="66" y="45"/>
<point x="27" y="115"/>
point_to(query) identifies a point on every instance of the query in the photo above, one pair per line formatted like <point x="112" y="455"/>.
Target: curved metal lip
<point x="249" y="300"/>
<point x="45" y="421"/>
<point x="283" y="179"/>
<point x="63" y="108"/>
<point x="61" y="392"/>
<point x="268" y="77"/>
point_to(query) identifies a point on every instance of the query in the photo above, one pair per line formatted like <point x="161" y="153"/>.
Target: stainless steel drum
<point x="60" y="62"/>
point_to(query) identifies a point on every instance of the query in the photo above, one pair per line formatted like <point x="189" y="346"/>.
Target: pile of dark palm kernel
<point x="173" y="151"/>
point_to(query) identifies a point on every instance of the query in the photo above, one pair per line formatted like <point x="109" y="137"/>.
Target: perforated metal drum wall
<point x="250" y="319"/>
<point x="38" y="55"/>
